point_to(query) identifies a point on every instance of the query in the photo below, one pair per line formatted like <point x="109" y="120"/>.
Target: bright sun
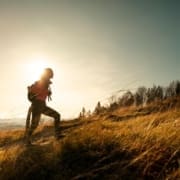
<point x="35" y="68"/>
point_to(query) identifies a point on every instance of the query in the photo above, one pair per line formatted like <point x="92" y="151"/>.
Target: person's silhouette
<point x="37" y="94"/>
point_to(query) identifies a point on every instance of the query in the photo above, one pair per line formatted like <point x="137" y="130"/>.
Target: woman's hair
<point x="47" y="73"/>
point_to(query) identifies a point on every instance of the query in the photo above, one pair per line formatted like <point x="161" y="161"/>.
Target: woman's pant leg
<point x="57" y="117"/>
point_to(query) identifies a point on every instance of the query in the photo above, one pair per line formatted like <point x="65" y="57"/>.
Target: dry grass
<point x="142" y="146"/>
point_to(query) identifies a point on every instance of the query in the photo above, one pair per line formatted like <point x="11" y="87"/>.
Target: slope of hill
<point x="126" y="143"/>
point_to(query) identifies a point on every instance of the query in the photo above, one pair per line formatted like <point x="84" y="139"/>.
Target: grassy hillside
<point x="124" y="143"/>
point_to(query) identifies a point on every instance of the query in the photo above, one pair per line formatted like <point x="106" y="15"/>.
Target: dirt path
<point x="43" y="137"/>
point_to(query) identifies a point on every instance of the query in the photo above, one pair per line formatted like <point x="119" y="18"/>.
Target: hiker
<point x="37" y="94"/>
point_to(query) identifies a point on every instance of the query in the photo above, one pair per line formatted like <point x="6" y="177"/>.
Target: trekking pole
<point x="28" y="119"/>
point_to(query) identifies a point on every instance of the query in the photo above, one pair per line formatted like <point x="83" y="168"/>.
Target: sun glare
<point x="35" y="68"/>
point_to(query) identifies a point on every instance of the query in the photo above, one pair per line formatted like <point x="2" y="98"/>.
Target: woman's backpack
<point x="31" y="96"/>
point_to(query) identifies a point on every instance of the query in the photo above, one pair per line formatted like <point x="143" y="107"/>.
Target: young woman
<point x="37" y="94"/>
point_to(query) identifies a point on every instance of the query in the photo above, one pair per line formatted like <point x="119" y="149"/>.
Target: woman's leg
<point x="36" y="115"/>
<point x="57" y="117"/>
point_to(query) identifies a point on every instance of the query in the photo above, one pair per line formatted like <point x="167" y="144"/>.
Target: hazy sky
<point x="96" y="47"/>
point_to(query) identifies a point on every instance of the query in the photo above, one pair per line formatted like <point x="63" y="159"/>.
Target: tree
<point x="159" y="93"/>
<point x="98" y="108"/>
<point x="83" y="113"/>
<point x="112" y="99"/>
<point x="140" y="96"/>
<point x="171" y="89"/>
<point x="127" y="99"/>
<point x="178" y="88"/>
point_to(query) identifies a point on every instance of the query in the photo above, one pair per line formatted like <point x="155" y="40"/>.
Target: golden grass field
<point x="126" y="143"/>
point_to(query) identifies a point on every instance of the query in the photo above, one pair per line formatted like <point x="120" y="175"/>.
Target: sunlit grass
<point x="140" y="147"/>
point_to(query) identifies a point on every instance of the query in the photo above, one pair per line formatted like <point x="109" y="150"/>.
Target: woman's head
<point x="47" y="74"/>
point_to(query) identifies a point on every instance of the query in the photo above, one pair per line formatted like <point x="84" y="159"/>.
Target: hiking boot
<point x="58" y="136"/>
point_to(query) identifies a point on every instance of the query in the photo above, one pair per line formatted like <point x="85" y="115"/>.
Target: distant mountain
<point x="15" y="123"/>
<point x="12" y="123"/>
